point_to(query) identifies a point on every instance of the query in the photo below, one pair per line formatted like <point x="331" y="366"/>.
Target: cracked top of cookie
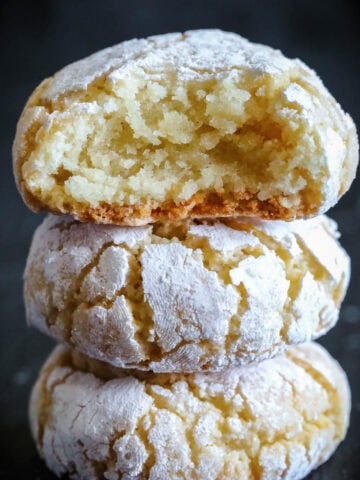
<point x="203" y="123"/>
<point x="275" y="419"/>
<point x="185" y="296"/>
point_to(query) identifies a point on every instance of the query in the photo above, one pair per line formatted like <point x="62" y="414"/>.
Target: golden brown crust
<point x="198" y="206"/>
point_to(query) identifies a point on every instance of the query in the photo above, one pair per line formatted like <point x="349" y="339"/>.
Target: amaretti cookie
<point x="203" y="123"/>
<point x="277" y="419"/>
<point x="186" y="296"/>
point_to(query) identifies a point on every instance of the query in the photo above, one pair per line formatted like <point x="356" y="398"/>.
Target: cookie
<point x="185" y="296"/>
<point x="198" y="124"/>
<point x="277" y="419"/>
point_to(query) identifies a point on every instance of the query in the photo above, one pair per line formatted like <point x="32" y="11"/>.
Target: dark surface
<point x="37" y="38"/>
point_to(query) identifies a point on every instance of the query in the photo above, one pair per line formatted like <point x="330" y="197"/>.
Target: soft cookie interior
<point x="153" y="141"/>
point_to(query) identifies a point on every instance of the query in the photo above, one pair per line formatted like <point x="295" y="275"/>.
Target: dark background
<point x="39" y="37"/>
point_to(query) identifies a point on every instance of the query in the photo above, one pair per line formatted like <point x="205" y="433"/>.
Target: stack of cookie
<point x="185" y="298"/>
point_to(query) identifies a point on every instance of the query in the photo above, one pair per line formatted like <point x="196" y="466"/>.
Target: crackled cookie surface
<point x="204" y="123"/>
<point x="277" y="419"/>
<point x="185" y="296"/>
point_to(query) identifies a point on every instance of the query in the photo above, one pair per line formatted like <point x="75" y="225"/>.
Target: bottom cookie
<point x="273" y="420"/>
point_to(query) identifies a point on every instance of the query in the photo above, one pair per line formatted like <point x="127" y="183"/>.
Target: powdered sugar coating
<point x="187" y="296"/>
<point x="194" y="54"/>
<point x="319" y="238"/>
<point x="181" y="290"/>
<point x="277" y="419"/>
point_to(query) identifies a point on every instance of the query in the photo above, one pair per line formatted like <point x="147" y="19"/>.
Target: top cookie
<point x="204" y="123"/>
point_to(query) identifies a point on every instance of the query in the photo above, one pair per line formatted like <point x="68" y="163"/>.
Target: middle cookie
<point x="187" y="296"/>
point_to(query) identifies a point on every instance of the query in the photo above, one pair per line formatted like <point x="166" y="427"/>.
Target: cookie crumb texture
<point x="277" y="419"/>
<point x="185" y="296"/>
<point x="204" y="123"/>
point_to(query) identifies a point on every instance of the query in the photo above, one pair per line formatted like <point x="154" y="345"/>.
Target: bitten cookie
<point x="277" y="419"/>
<point x="204" y="123"/>
<point x="186" y="296"/>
